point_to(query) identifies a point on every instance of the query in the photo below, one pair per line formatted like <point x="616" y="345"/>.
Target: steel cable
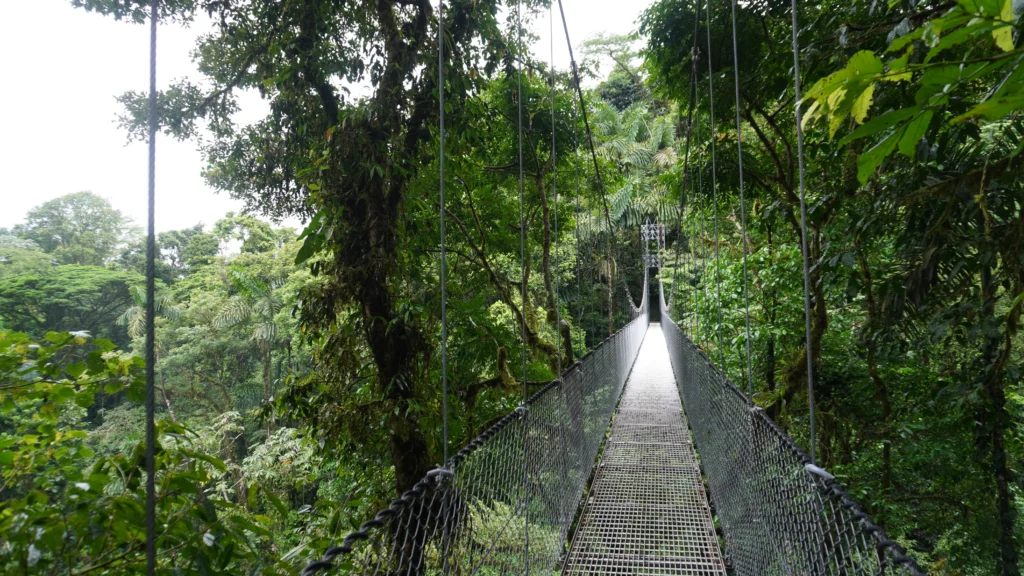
<point x="803" y="232"/>
<point x="151" y="306"/>
<point x="743" y="209"/>
<point x="714" y="189"/>
<point x="522" y="263"/>
<point x="686" y="157"/>
<point x="444" y="261"/>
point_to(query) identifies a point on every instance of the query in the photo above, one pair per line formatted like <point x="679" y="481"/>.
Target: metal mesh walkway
<point x="647" y="512"/>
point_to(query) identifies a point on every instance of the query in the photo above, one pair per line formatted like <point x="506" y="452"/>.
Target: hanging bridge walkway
<point x="647" y="512"/>
<point x="537" y="494"/>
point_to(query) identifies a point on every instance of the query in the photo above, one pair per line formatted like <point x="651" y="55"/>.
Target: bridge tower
<point x="653" y="235"/>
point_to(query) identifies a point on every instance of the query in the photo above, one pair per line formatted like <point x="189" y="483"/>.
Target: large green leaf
<point x="869" y="161"/>
<point x="883" y="122"/>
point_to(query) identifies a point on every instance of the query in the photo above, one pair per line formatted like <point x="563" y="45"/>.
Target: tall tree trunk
<point x="611" y="285"/>
<point x="167" y="398"/>
<point x="881" y="388"/>
<point x="550" y="301"/>
<point x="366" y="209"/>
<point x="994" y="419"/>
<point x="769" y="363"/>
<point x="266" y="381"/>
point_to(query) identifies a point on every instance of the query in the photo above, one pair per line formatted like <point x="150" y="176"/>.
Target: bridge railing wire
<point x="505" y="502"/>
<point x="779" y="513"/>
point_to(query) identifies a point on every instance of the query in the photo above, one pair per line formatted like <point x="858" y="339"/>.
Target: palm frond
<point x="236" y="311"/>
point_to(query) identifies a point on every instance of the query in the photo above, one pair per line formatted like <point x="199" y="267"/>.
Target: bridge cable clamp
<point x="820" y="472"/>
<point x="441" y="475"/>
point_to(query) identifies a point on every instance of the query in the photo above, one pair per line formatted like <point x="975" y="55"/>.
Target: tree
<point x="640" y="147"/>
<point x="79" y="228"/>
<point x="256" y="305"/>
<point x="349" y="162"/>
<point x="624" y="85"/>
<point x="21" y="256"/>
<point x="65" y="510"/>
<point x="255" y="235"/>
<point x="134" y="318"/>
<point x="68" y="298"/>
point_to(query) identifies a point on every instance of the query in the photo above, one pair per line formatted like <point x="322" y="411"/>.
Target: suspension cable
<point x="702" y="298"/>
<point x="522" y="197"/>
<point x="691" y="257"/>
<point x="554" y="189"/>
<point x="803" y="230"/>
<point x="714" y="190"/>
<point x="151" y="307"/>
<point x="444" y="261"/>
<point x="579" y="247"/>
<point x="743" y="207"/>
<point x="522" y="266"/>
<point x="686" y="156"/>
<point x="593" y="152"/>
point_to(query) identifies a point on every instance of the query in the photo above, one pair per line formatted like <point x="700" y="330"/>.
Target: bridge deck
<point x="647" y="512"/>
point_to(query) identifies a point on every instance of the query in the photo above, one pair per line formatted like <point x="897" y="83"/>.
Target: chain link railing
<point x="504" y="503"/>
<point x="779" y="513"/>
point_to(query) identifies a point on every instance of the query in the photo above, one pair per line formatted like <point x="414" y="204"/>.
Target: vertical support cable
<point x="702" y="297"/>
<point x="576" y="153"/>
<point x="686" y="158"/>
<point x="803" y="231"/>
<point x="563" y="403"/>
<point x="702" y="301"/>
<point x="444" y="259"/>
<point x="689" y="133"/>
<point x="522" y="268"/>
<point x="522" y="213"/>
<point x="690" y="265"/>
<point x="554" y="187"/>
<point x="714" y="191"/>
<point x="151" y="307"/>
<point x="611" y="247"/>
<point x="444" y="268"/>
<point x="743" y="206"/>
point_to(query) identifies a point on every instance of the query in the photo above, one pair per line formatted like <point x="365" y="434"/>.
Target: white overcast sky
<point x="62" y="68"/>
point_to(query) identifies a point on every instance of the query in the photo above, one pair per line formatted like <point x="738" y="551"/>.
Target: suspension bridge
<point x="642" y="457"/>
<point x="605" y="471"/>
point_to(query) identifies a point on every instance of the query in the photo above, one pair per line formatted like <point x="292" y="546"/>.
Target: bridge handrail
<point x="506" y="500"/>
<point x="780" y="514"/>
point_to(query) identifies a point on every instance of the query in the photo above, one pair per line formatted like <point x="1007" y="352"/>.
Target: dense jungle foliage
<point x="298" y="373"/>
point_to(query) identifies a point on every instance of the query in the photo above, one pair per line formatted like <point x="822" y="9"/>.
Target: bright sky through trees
<point x="66" y="107"/>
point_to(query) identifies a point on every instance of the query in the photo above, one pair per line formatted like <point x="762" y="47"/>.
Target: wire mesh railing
<point x="779" y="513"/>
<point x="505" y="502"/>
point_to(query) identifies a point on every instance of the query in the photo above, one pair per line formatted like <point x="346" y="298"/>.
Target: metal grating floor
<point x="647" y="512"/>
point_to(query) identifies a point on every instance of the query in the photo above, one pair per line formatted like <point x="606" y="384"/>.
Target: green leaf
<point x="935" y="80"/>
<point x="1006" y="12"/>
<point x="276" y="502"/>
<point x="215" y="462"/>
<point x="85" y="398"/>
<point x="913" y="133"/>
<point x="1004" y="37"/>
<point x="869" y="161"/>
<point x="955" y="38"/>
<point x="1016" y="302"/>
<point x="76" y="369"/>
<point x="862" y="104"/>
<point x="897" y="68"/>
<point x="993" y="108"/>
<point x="883" y="122"/>
<point x="865" y="63"/>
